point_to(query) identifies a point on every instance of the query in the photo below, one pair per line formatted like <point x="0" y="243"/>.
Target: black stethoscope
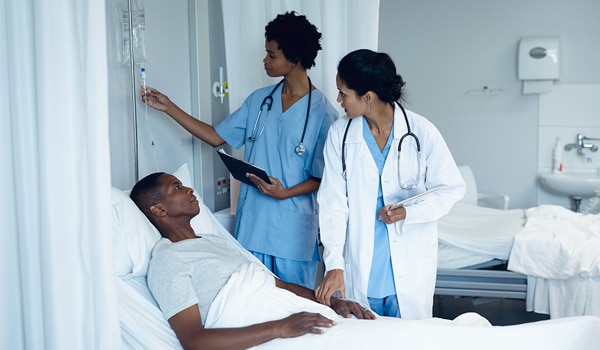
<point x="268" y="101"/>
<point x="409" y="133"/>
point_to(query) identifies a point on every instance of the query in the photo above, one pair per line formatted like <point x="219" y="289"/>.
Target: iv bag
<point x="139" y="27"/>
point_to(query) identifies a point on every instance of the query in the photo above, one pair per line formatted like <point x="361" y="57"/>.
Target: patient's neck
<point x="178" y="231"/>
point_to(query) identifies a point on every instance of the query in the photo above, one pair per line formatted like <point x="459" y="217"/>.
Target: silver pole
<point x="133" y="94"/>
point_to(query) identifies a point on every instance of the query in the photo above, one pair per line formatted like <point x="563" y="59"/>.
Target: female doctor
<point x="376" y="156"/>
<point x="283" y="129"/>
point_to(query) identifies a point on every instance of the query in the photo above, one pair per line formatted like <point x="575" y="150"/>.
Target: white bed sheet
<point x="468" y="331"/>
<point x="450" y="257"/>
<point x="470" y="234"/>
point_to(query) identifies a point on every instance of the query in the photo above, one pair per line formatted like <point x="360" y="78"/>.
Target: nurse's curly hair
<point x="297" y="38"/>
<point x="365" y="70"/>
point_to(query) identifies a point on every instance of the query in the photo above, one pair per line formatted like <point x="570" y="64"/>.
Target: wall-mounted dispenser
<point x="538" y="63"/>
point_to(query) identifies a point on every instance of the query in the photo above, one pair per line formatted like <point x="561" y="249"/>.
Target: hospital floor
<point x="500" y="312"/>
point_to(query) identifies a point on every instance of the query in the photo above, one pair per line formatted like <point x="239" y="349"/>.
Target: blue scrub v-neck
<point x="381" y="278"/>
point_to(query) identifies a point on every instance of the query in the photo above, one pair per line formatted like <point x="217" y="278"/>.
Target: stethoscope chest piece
<point x="268" y="101"/>
<point x="300" y="149"/>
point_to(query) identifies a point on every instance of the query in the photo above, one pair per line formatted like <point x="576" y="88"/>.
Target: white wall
<point x="445" y="49"/>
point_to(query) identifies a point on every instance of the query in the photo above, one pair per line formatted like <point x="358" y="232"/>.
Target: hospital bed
<point x="545" y="255"/>
<point x="144" y="327"/>
<point x="475" y="239"/>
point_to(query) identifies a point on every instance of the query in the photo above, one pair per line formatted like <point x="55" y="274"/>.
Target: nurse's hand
<point x="333" y="282"/>
<point x="274" y="189"/>
<point x="389" y="216"/>
<point x="154" y="98"/>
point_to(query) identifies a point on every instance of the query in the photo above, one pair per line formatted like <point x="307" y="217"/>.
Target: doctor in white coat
<point x="375" y="156"/>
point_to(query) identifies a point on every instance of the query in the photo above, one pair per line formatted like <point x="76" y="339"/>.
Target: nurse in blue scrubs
<point x="283" y="129"/>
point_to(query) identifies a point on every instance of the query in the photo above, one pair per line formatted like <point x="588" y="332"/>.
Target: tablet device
<point x="414" y="199"/>
<point x="238" y="168"/>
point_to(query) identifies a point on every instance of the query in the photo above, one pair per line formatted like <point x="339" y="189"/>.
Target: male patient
<point x="187" y="271"/>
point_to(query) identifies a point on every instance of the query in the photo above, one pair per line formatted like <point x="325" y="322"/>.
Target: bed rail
<point x="481" y="283"/>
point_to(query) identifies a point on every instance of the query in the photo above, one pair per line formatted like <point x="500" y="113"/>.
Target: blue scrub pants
<point x="303" y="273"/>
<point x="387" y="306"/>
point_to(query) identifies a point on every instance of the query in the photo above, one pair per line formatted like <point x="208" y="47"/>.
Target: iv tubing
<point x="152" y="143"/>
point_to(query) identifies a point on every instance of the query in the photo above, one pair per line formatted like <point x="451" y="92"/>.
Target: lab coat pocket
<point x="426" y="271"/>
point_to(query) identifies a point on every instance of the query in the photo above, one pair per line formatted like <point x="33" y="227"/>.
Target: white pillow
<point x="134" y="236"/>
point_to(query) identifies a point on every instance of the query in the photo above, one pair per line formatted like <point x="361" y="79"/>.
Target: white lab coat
<point x="346" y="219"/>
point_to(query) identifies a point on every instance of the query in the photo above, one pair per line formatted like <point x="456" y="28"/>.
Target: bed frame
<point x="490" y="280"/>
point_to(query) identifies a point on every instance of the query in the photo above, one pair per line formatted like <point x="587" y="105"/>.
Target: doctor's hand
<point x="333" y="282"/>
<point x="347" y="308"/>
<point x="389" y="216"/>
<point x="154" y="98"/>
<point x="274" y="189"/>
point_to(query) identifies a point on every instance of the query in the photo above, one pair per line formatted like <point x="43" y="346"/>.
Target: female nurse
<point x="283" y="128"/>
<point x="375" y="156"/>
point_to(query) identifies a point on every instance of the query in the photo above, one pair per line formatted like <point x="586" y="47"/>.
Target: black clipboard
<point x="239" y="168"/>
<point x="414" y="199"/>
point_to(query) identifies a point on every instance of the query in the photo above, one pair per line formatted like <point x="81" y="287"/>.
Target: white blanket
<point x="232" y="308"/>
<point x="557" y="243"/>
<point x="559" y="251"/>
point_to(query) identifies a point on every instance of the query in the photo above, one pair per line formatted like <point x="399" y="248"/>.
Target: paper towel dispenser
<point x="538" y="58"/>
<point x="538" y="64"/>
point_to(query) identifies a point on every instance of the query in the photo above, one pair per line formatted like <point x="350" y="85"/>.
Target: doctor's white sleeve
<point x="332" y="199"/>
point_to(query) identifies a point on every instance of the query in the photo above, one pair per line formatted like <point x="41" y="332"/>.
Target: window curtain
<point x="57" y="288"/>
<point x="346" y="25"/>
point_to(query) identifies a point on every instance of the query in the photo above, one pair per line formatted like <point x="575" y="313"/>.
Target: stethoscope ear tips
<point x="300" y="149"/>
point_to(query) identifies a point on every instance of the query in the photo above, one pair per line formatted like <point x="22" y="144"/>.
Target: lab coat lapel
<point x="357" y="147"/>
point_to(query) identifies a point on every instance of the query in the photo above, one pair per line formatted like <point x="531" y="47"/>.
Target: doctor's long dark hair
<point x="365" y="70"/>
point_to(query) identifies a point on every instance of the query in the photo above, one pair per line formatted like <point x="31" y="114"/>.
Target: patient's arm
<point x="187" y="325"/>
<point x="343" y="307"/>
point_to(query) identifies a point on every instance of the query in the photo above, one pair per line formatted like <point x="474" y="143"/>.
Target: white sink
<point x="573" y="184"/>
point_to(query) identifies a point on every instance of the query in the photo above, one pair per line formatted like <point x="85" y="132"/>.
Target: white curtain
<point x="56" y="275"/>
<point x="346" y="25"/>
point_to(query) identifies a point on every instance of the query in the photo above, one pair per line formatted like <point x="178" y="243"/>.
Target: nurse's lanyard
<point x="268" y="101"/>
<point x="409" y="133"/>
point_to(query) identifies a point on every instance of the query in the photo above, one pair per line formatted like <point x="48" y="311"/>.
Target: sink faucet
<point x="581" y="145"/>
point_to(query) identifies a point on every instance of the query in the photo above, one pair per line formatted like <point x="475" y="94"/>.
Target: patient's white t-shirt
<point x="190" y="272"/>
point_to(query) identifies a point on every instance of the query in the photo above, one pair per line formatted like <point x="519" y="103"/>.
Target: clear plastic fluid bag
<point x="138" y="33"/>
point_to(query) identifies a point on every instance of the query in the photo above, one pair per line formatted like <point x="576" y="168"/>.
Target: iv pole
<point x="133" y="93"/>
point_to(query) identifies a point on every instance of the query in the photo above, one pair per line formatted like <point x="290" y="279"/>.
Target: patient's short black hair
<point x="298" y="39"/>
<point x="146" y="193"/>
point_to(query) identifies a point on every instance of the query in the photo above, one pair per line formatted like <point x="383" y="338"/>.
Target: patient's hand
<point x="347" y="308"/>
<point x="302" y="323"/>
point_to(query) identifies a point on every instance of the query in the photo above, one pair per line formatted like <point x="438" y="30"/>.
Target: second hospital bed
<point x="546" y="255"/>
<point x="475" y="240"/>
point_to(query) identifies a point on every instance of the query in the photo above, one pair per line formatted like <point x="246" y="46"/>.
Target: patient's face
<point x="177" y="199"/>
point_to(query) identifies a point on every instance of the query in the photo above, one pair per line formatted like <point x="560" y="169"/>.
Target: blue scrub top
<point x="381" y="277"/>
<point x="282" y="228"/>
